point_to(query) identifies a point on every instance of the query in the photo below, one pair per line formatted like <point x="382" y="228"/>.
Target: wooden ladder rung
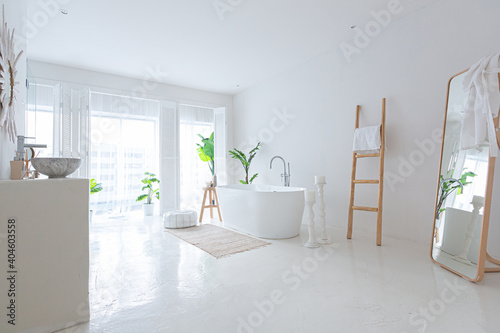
<point x="365" y="181"/>
<point x="367" y="155"/>
<point x="366" y="209"/>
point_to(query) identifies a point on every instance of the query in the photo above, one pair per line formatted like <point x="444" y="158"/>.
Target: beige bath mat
<point x="217" y="241"/>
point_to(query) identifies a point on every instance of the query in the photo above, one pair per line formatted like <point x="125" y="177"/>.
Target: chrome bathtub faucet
<point x="285" y="176"/>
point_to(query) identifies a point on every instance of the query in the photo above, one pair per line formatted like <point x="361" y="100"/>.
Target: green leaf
<point x="202" y="155"/>
<point x="254" y="151"/>
<point x="253" y="177"/>
<point x="243" y="182"/>
<point x="463" y="179"/>
<point x="95" y="187"/>
<point x="141" y="197"/>
<point x="208" y="149"/>
<point x="242" y="155"/>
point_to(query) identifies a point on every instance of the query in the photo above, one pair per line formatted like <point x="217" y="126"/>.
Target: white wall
<point x="409" y="63"/>
<point x="15" y="15"/>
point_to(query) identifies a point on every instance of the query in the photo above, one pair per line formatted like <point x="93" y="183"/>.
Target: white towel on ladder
<point x="367" y="140"/>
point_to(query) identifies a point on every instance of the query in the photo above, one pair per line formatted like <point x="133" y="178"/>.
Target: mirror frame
<point x="483" y="253"/>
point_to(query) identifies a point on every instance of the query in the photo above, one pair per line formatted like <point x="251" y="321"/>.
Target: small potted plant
<point x="240" y="156"/>
<point x="446" y="187"/>
<point x="95" y="187"/>
<point x="151" y="192"/>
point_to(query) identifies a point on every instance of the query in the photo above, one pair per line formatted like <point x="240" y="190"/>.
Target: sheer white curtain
<point x="194" y="173"/>
<point x="124" y="140"/>
<point x="57" y="114"/>
<point x="39" y="118"/>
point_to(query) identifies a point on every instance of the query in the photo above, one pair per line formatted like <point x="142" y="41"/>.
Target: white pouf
<point x="180" y="219"/>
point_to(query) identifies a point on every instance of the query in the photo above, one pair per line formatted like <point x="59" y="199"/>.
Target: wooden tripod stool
<point x="212" y="203"/>
<point x="379" y="181"/>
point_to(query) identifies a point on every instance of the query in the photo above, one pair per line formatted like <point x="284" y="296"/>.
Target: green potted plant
<point x="240" y="156"/>
<point x="206" y="152"/>
<point x="95" y="187"/>
<point x="151" y="192"/>
<point x="448" y="186"/>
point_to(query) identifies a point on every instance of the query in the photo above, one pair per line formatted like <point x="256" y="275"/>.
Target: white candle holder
<point x="311" y="243"/>
<point x="321" y="212"/>
<point x="478" y="203"/>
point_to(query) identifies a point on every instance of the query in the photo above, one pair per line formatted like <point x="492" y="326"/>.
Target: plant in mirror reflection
<point x="448" y="186"/>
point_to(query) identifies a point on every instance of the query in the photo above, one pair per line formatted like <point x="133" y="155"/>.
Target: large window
<point x="119" y="137"/>
<point x="124" y="144"/>
<point x="39" y="119"/>
<point x="194" y="173"/>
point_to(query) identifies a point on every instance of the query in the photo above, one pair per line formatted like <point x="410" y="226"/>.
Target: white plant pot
<point x="91" y="213"/>
<point x="149" y="209"/>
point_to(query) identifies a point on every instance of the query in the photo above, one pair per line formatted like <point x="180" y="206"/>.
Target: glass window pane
<point x="123" y="147"/>
<point x="194" y="172"/>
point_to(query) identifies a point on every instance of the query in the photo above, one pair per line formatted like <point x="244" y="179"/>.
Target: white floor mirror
<point x="464" y="190"/>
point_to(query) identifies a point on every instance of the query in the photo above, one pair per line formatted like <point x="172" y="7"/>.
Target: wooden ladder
<point x="379" y="181"/>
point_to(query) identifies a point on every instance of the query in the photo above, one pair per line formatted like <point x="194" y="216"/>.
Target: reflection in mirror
<point x="462" y="187"/>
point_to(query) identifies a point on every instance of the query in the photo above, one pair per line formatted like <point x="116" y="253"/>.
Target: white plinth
<point x="51" y="253"/>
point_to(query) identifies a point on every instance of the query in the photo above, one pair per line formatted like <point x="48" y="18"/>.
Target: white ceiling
<point x="189" y="42"/>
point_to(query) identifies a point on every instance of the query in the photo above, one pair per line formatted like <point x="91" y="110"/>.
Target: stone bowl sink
<point x="56" y="167"/>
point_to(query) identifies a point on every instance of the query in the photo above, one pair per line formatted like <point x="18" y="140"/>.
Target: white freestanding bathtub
<point x="273" y="212"/>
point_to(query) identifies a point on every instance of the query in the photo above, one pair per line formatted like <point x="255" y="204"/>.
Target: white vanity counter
<point x="48" y="260"/>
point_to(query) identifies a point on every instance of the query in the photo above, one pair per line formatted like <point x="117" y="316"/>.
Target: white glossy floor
<point x="146" y="280"/>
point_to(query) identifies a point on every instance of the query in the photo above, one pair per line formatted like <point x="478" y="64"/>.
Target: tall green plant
<point x="206" y="151"/>
<point x="447" y="187"/>
<point x="240" y="156"/>
<point x="152" y="192"/>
